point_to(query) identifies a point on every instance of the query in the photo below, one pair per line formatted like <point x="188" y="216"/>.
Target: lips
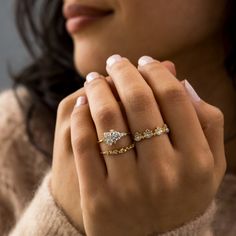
<point x="78" y="16"/>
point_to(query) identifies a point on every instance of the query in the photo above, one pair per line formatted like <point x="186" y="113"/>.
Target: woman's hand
<point x="64" y="182"/>
<point x="165" y="181"/>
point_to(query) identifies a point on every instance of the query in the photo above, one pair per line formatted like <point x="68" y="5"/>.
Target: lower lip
<point x="76" y="24"/>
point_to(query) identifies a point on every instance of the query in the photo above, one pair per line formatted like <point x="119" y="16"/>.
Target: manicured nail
<point x="144" y="60"/>
<point x="113" y="59"/>
<point x="191" y="91"/>
<point x="81" y="101"/>
<point x="91" y="76"/>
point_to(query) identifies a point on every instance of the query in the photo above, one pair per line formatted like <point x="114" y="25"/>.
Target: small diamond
<point x="158" y="131"/>
<point x="112" y="137"/>
<point x="148" y="133"/>
<point x="137" y="137"/>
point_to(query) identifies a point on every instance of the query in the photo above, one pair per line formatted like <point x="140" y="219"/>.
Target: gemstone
<point x="112" y="137"/>
<point x="158" y="131"/>
<point x="137" y="136"/>
<point x="147" y="133"/>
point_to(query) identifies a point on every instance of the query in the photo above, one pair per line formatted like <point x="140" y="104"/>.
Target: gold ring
<point x="138" y="136"/>
<point x="112" y="137"/>
<point x="118" y="151"/>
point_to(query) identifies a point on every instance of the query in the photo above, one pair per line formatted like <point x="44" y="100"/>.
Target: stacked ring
<point x="119" y="151"/>
<point x="147" y="134"/>
<point x="113" y="136"/>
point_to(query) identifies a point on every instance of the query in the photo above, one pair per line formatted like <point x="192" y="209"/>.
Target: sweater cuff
<point x="200" y="226"/>
<point x="43" y="217"/>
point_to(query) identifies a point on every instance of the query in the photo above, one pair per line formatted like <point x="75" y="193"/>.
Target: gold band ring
<point x="138" y="136"/>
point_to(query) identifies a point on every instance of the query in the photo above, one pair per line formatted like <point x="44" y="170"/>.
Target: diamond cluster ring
<point x="112" y="137"/>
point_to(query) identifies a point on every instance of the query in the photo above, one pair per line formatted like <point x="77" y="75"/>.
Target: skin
<point x="198" y="55"/>
<point x="195" y="46"/>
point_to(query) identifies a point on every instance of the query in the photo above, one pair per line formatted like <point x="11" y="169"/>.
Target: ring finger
<point x="107" y="115"/>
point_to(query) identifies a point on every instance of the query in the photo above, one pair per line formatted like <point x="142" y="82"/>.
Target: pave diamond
<point x="138" y="136"/>
<point x="147" y="133"/>
<point x="112" y="137"/>
<point x="158" y="131"/>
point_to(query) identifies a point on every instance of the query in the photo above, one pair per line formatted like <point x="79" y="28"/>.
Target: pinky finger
<point x="90" y="166"/>
<point x="212" y="122"/>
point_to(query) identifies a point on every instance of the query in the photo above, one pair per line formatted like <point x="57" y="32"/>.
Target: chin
<point x="85" y="66"/>
<point x="88" y="59"/>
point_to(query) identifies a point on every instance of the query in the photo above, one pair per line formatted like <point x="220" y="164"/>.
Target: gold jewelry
<point x="118" y="151"/>
<point x="112" y="137"/>
<point x="138" y="136"/>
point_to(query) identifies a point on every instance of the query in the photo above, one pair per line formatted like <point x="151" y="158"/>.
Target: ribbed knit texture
<point x="27" y="207"/>
<point x="43" y="217"/>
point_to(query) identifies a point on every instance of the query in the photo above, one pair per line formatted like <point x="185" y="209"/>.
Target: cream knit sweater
<point x="27" y="207"/>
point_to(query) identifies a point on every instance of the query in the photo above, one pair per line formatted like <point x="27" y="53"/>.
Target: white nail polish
<point x="191" y="91"/>
<point x="91" y="76"/>
<point x="81" y="101"/>
<point x="144" y="60"/>
<point x="113" y="59"/>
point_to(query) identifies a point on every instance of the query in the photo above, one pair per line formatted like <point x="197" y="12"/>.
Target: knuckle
<point x="165" y="182"/>
<point x="206" y="167"/>
<point x="138" y="100"/>
<point x="130" y="192"/>
<point x="80" y="143"/>
<point x="121" y="67"/>
<point x="78" y="115"/>
<point x="155" y="67"/>
<point x="214" y="118"/>
<point x="63" y="106"/>
<point x="98" y="206"/>
<point x="168" y="183"/>
<point x="106" y="114"/>
<point x="203" y="170"/>
<point x="174" y="93"/>
<point x="218" y="116"/>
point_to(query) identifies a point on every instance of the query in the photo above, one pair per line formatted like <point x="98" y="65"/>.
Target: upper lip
<point x="75" y="9"/>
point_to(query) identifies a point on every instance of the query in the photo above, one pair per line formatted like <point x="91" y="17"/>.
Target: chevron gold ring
<point x="118" y="151"/>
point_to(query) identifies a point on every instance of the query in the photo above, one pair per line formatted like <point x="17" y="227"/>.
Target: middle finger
<point x="140" y="106"/>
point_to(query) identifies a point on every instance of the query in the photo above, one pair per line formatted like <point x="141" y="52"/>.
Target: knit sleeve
<point x="24" y="210"/>
<point x="43" y="217"/>
<point x="201" y="226"/>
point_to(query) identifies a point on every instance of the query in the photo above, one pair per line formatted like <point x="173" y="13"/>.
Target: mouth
<point x="80" y="16"/>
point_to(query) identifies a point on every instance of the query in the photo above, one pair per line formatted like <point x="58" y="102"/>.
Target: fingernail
<point x="191" y="91"/>
<point x="144" y="60"/>
<point x="113" y="59"/>
<point x="91" y="76"/>
<point x="81" y="101"/>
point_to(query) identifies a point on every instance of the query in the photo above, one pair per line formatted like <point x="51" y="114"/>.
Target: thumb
<point x="212" y="121"/>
